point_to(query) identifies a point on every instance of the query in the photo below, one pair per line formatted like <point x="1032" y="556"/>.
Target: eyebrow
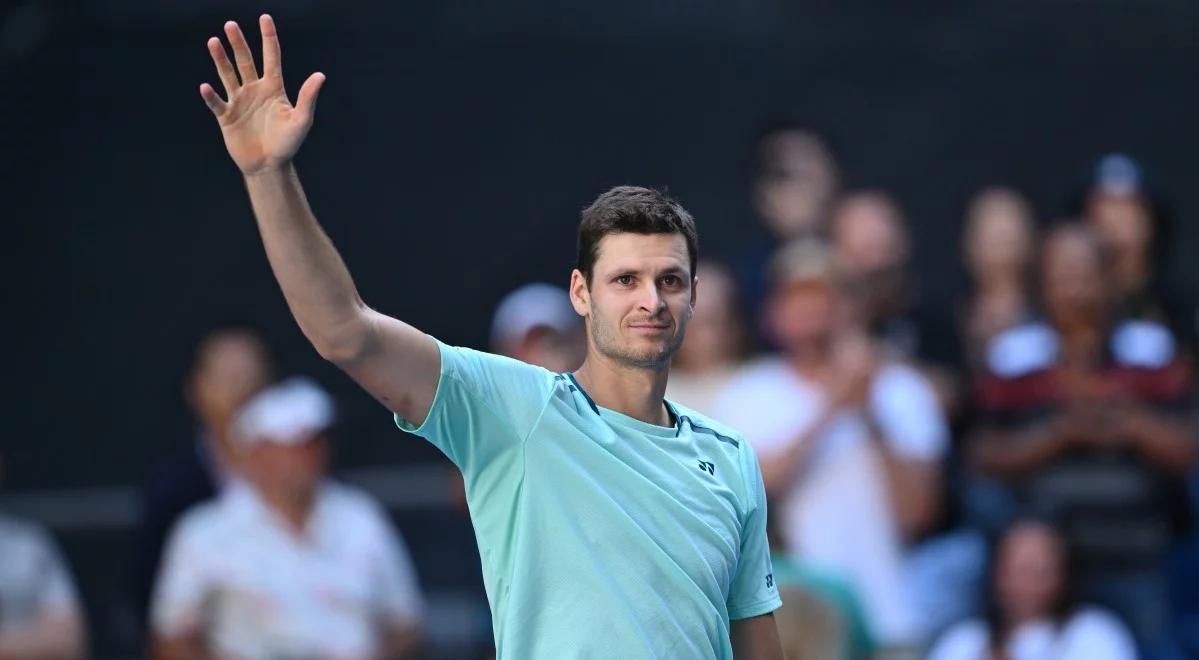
<point x="672" y="270"/>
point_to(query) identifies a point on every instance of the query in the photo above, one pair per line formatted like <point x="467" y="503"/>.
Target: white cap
<point x="288" y="413"/>
<point x="532" y="306"/>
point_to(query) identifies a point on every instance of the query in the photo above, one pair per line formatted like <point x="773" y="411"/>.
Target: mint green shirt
<point x="601" y="536"/>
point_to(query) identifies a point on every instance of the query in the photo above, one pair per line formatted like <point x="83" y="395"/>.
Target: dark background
<point x="454" y="145"/>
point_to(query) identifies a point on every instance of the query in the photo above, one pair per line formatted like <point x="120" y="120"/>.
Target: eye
<point x="624" y="280"/>
<point x="672" y="280"/>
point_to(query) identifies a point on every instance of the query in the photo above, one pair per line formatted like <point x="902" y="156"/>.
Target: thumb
<point x="306" y="101"/>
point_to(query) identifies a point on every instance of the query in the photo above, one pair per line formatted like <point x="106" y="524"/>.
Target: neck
<point x="1131" y="273"/>
<point x="294" y="510"/>
<point x="999" y="283"/>
<point x="635" y="392"/>
<point x="809" y="359"/>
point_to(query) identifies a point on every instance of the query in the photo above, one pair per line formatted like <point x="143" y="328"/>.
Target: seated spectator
<point x="795" y="179"/>
<point x="1088" y="417"/>
<point x="821" y="617"/>
<point x="869" y="236"/>
<point x="286" y="563"/>
<point x="536" y="324"/>
<point x="1132" y="228"/>
<point x="998" y="246"/>
<point x="849" y="441"/>
<point x="1032" y="611"/>
<point x="715" y="344"/>
<point x="40" y="615"/>
<point x="231" y="364"/>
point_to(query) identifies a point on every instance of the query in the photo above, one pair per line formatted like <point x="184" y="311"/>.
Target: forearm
<point x="315" y="281"/>
<point x="1012" y="454"/>
<point x="780" y="469"/>
<point x="54" y="636"/>
<point x="187" y="647"/>
<point x="399" y="640"/>
<point x="915" y="488"/>
<point x="1168" y="444"/>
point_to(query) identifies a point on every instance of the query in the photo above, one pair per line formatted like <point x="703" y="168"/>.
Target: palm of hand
<point x="260" y="125"/>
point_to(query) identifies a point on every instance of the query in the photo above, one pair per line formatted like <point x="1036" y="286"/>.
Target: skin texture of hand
<point x="262" y="129"/>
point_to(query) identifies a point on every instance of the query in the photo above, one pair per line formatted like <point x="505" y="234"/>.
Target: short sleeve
<point x="55" y="589"/>
<point x="906" y="408"/>
<point x="183" y="584"/>
<point x="484" y="404"/>
<point x="1094" y="634"/>
<point x="397" y="592"/>
<point x="753" y="591"/>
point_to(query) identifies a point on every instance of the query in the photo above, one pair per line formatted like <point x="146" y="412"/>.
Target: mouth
<point x="649" y="327"/>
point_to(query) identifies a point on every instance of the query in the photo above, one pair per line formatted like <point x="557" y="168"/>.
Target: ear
<point x="580" y="294"/>
<point x="694" y="286"/>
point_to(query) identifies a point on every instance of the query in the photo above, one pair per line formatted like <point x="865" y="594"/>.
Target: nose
<point x="651" y="300"/>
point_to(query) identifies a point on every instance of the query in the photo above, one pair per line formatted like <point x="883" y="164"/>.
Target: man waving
<point x="611" y="522"/>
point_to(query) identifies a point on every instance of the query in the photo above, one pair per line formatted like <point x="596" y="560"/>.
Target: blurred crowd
<point x="1008" y="475"/>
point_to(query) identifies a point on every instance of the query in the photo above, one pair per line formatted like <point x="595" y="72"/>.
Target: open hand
<point x="262" y="129"/>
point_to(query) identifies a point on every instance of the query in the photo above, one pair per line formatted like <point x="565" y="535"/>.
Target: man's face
<point x="802" y="315"/>
<point x="1072" y="277"/>
<point x="288" y="470"/>
<point x="1123" y="223"/>
<point x="868" y="236"/>
<point x="796" y="184"/>
<point x="639" y="299"/>
<point x="231" y="369"/>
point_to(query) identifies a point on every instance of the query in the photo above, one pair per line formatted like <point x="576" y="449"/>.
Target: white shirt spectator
<point x="838" y="516"/>
<point x="34" y="580"/>
<point x="235" y="571"/>
<point x="1089" y="634"/>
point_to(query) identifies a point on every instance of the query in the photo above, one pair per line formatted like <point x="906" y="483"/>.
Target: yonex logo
<point x="769" y="580"/>
<point x="705" y="466"/>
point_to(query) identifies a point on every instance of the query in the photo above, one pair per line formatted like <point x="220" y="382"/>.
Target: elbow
<point x="344" y="343"/>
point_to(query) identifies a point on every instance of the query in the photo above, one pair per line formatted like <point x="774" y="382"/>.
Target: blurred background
<point x="930" y="151"/>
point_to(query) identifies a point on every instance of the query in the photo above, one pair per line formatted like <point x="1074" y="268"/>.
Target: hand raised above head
<point x="261" y="127"/>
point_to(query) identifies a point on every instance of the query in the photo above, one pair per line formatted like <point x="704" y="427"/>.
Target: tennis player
<point x="611" y="523"/>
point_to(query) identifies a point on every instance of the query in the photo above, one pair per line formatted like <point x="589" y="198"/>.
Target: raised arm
<point x="396" y="363"/>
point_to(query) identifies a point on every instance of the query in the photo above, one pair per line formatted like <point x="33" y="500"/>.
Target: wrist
<point x="269" y="171"/>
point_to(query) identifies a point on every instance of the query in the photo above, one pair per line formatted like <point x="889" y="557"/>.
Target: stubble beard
<point x="610" y="345"/>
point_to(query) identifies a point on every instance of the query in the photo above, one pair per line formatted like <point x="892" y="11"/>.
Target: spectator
<point x="230" y="365"/>
<point x="870" y="239"/>
<point x="536" y="324"/>
<point x="715" y="342"/>
<point x="849" y="441"/>
<point x="998" y="247"/>
<point x="40" y="615"/>
<point x="821" y="617"/>
<point x="1119" y="208"/>
<point x="286" y="563"/>
<point x="795" y="179"/>
<point x="1032" y="611"/>
<point x="1088" y="416"/>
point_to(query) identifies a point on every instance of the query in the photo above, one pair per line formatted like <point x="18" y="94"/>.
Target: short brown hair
<point x="634" y="210"/>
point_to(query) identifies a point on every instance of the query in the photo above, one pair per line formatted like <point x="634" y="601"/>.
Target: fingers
<point x="223" y="68"/>
<point x="306" y="101"/>
<point x="272" y="63"/>
<point x="212" y="99"/>
<point x="241" y="53"/>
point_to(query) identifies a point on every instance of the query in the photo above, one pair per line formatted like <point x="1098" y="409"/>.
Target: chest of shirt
<point x="265" y="569"/>
<point x="676" y="494"/>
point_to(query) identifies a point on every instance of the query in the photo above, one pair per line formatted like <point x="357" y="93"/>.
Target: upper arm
<point x="398" y="365"/>
<point x="176" y="608"/>
<point x="756" y="638"/>
<point x="482" y="405"/>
